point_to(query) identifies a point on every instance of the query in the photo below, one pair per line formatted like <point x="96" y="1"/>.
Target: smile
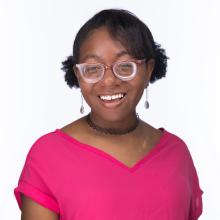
<point x="112" y="97"/>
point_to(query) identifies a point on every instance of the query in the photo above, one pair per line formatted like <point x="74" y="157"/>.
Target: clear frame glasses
<point x="92" y="73"/>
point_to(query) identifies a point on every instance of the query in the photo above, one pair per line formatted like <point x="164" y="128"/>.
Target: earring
<point x="146" y="103"/>
<point x="82" y="107"/>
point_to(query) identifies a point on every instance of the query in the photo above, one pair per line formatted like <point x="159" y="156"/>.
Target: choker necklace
<point x="111" y="131"/>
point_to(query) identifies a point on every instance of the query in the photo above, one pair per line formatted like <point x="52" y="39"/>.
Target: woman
<point x="110" y="164"/>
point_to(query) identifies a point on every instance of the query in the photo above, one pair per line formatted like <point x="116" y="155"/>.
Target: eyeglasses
<point x="92" y="73"/>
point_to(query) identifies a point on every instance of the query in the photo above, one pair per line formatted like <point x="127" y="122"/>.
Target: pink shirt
<point x="81" y="182"/>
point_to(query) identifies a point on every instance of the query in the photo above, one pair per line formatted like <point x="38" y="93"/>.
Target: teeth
<point x="111" y="97"/>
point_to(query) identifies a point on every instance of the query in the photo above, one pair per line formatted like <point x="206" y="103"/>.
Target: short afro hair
<point x="126" y="28"/>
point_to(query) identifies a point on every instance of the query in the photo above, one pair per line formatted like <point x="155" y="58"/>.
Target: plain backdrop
<point x="36" y="36"/>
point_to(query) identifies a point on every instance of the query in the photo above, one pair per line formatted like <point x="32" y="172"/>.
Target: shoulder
<point x="184" y="161"/>
<point x="53" y="143"/>
<point x="75" y="127"/>
<point x="179" y="153"/>
<point x="173" y="138"/>
<point x="44" y="145"/>
<point x="53" y="137"/>
<point x="177" y="147"/>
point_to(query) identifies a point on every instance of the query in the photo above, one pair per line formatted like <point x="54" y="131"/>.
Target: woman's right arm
<point x="33" y="211"/>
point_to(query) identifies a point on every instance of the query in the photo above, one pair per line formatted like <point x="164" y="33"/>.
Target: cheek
<point x="140" y="82"/>
<point x="137" y="91"/>
<point x="87" y="91"/>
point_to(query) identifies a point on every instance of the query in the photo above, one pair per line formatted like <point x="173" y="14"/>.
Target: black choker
<point x="111" y="131"/>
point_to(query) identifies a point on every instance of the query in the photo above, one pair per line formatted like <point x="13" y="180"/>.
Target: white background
<point x="35" y="36"/>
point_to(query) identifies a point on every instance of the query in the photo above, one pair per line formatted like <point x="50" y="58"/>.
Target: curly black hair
<point x="126" y="28"/>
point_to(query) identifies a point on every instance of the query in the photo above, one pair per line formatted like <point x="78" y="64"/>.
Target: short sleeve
<point x="196" y="202"/>
<point x="33" y="183"/>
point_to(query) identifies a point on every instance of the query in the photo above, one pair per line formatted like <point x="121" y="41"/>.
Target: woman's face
<point x="99" y="47"/>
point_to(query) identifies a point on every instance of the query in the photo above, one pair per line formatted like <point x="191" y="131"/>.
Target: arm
<point x="33" y="211"/>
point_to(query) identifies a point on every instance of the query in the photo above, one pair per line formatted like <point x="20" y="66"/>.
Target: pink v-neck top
<point x="81" y="182"/>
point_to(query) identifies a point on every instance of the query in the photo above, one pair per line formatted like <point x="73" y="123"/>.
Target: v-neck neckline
<point x="154" y="150"/>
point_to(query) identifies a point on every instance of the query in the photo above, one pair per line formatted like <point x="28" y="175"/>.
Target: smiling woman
<point x="106" y="109"/>
<point x="111" y="164"/>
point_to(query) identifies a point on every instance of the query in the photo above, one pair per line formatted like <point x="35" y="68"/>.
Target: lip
<point x="115" y="93"/>
<point x="112" y="103"/>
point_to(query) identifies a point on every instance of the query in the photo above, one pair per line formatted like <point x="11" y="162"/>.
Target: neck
<point x="121" y="127"/>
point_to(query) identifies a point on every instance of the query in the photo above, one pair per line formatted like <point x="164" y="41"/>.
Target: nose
<point x="109" y="77"/>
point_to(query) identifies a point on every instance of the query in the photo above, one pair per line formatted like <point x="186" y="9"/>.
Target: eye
<point x="92" y="69"/>
<point x="125" y="68"/>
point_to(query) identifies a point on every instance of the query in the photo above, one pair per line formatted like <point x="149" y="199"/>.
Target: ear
<point x="149" y="70"/>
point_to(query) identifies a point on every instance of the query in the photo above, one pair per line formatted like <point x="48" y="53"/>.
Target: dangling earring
<point x="146" y="103"/>
<point x="82" y="107"/>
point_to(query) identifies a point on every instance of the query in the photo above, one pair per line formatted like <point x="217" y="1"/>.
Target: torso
<point x="128" y="149"/>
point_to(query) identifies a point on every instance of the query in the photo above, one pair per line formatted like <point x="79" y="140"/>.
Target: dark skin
<point x="129" y="148"/>
<point x="34" y="211"/>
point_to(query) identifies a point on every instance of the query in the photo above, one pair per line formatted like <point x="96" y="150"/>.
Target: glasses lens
<point x="124" y="69"/>
<point x="92" y="71"/>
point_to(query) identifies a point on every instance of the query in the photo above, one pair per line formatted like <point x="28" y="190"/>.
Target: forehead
<point x="100" y="43"/>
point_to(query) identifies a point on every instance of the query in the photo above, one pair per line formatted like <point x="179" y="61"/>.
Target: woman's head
<point x="129" y="31"/>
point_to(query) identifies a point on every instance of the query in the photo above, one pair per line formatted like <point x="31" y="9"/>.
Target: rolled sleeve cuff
<point x="36" y="195"/>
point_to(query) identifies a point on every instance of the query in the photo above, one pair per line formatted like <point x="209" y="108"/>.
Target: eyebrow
<point x="118" y="55"/>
